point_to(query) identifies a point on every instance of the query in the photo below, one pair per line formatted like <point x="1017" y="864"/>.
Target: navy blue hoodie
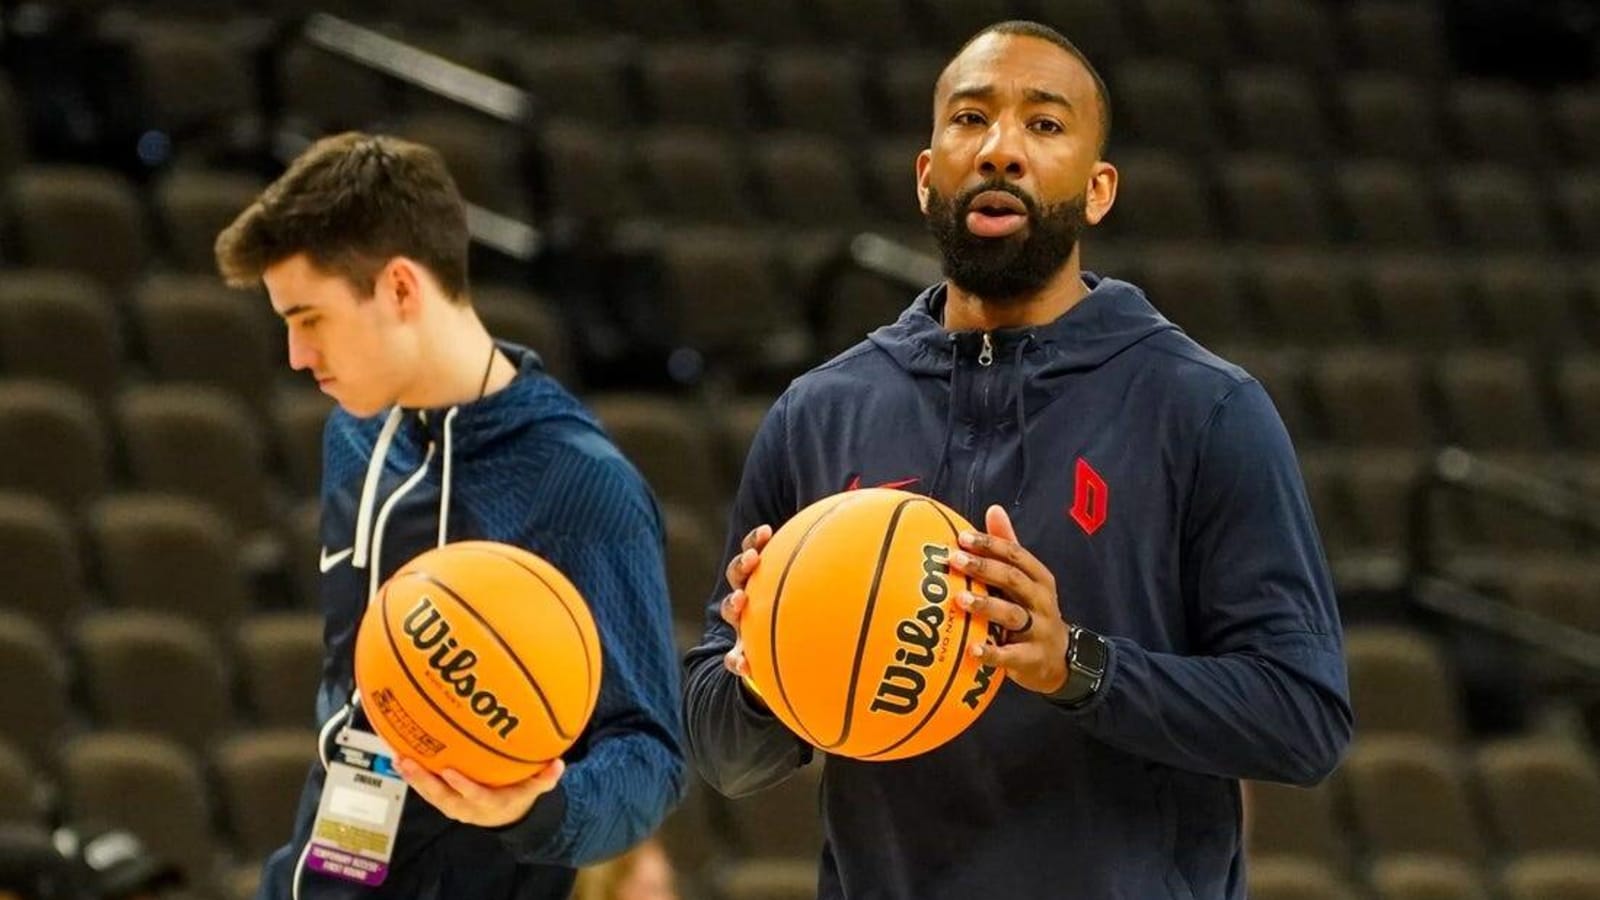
<point x="529" y="466"/>
<point x="1158" y="484"/>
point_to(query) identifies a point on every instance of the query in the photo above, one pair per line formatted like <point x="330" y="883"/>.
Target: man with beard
<point x="1170" y="625"/>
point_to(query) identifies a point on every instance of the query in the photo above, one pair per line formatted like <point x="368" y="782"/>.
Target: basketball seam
<point x="388" y="631"/>
<point x="588" y="663"/>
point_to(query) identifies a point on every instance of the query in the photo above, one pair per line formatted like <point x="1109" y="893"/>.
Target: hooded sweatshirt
<point x="1157" y="483"/>
<point x="529" y="466"/>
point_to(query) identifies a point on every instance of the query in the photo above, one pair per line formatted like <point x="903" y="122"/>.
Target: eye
<point x="1047" y="126"/>
<point x="967" y="117"/>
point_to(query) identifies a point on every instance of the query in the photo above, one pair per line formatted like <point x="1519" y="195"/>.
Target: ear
<point x="1101" y="193"/>
<point x="401" y="280"/>
<point x="924" y="164"/>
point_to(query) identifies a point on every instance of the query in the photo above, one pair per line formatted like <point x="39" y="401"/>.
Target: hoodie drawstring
<point x="949" y="424"/>
<point x="369" y="488"/>
<point x="444" y="488"/>
<point x="1022" y="417"/>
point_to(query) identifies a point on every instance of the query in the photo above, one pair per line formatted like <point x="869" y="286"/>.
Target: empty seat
<point x="1274" y="201"/>
<point x="1381" y="485"/>
<point x="529" y="320"/>
<point x="1291" y="33"/>
<point x="1191" y="30"/>
<point x="1419" y="301"/>
<point x="1404" y="37"/>
<point x="280" y="660"/>
<point x="154" y="673"/>
<point x="150" y="786"/>
<point x="1308" y="297"/>
<point x="586" y="174"/>
<point x="1577" y="197"/>
<point x="174" y="58"/>
<point x="696" y="176"/>
<point x="1578" y="386"/>
<point x="1400" y="684"/>
<point x="1561" y="589"/>
<point x="1409" y="797"/>
<point x="1498" y="209"/>
<point x="1274" y="110"/>
<point x="677" y="458"/>
<point x="1492" y="402"/>
<point x="325" y="93"/>
<point x="1427" y="878"/>
<point x="49" y="589"/>
<point x="725" y="300"/>
<point x="1389" y="117"/>
<point x="260" y="775"/>
<point x="172" y="555"/>
<point x="487" y="159"/>
<point x="199" y="443"/>
<point x="1295" y="821"/>
<point x="34" y="707"/>
<point x="1498" y="122"/>
<point x="1526" y="302"/>
<point x="52" y="443"/>
<point x="1160" y="196"/>
<point x="672" y="19"/>
<point x="698" y="85"/>
<point x="1097" y="28"/>
<point x="79" y="219"/>
<point x="304" y="552"/>
<point x="579" y="79"/>
<point x="809" y="182"/>
<point x="1199" y="290"/>
<point x="1288" y="878"/>
<point x="1388" y="205"/>
<point x="865" y="23"/>
<point x="1543" y="794"/>
<point x="197" y="204"/>
<point x="13" y="130"/>
<point x="1562" y="876"/>
<point x="766" y="21"/>
<point x="954" y="21"/>
<point x="694" y="562"/>
<point x="38" y="308"/>
<point x="907" y="84"/>
<point x="196" y="330"/>
<point x="1372" y="398"/>
<point x="819" y="91"/>
<point x="22" y="790"/>
<point x="1575" y="116"/>
<point x="1164" y="103"/>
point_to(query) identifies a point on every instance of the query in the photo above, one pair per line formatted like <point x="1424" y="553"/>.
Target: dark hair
<point x="351" y="203"/>
<point x="1026" y="28"/>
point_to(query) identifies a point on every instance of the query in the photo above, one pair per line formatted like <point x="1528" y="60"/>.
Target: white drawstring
<point x="444" y="488"/>
<point x="369" y="488"/>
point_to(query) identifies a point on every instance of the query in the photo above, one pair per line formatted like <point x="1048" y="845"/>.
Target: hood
<point x="1113" y="317"/>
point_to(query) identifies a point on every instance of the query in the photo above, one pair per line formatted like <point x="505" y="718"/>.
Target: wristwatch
<point x="1087" y="653"/>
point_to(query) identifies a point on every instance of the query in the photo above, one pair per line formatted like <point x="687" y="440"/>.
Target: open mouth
<point x="996" y="214"/>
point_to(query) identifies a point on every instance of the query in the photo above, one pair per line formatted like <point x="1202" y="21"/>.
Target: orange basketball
<point x="479" y="657"/>
<point x="852" y="631"/>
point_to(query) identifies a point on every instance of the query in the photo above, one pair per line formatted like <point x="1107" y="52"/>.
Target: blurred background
<point x="1387" y="210"/>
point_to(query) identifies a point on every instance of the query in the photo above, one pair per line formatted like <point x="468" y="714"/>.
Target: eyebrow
<point x="293" y="311"/>
<point x="987" y="92"/>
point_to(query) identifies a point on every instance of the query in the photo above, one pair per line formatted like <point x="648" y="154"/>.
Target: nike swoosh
<point x="329" y="561"/>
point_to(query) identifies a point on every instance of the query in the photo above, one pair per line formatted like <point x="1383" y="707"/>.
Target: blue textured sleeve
<point x="602" y="529"/>
<point x="1265" y="696"/>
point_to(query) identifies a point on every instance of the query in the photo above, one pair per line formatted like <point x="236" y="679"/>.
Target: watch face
<point x="1089" y="652"/>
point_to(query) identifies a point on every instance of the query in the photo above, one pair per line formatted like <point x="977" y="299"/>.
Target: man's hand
<point x="471" y="803"/>
<point x="739" y="570"/>
<point x="1033" y="652"/>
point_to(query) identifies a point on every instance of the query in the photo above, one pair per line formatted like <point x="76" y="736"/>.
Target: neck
<point x="964" y="311"/>
<point x="453" y="363"/>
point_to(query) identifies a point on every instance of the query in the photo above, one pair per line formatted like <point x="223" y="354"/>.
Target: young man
<point x="1171" y="625"/>
<point x="444" y="435"/>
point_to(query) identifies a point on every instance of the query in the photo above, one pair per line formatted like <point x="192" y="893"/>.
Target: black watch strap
<point x="1087" y="654"/>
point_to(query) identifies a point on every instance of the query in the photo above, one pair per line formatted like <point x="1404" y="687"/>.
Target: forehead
<point x="296" y="284"/>
<point x="1010" y="62"/>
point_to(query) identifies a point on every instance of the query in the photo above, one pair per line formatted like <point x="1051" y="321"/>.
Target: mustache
<point x="964" y="200"/>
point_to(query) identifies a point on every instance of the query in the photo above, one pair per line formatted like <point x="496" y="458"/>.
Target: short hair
<point x="1026" y="28"/>
<point x="351" y="203"/>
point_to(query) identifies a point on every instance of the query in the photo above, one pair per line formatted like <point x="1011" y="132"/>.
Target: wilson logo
<point x="429" y="630"/>
<point x="900" y="691"/>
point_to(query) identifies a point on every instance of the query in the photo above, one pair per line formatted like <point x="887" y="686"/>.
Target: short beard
<point x="1012" y="268"/>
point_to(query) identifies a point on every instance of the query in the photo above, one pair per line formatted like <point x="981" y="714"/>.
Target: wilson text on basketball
<point x="429" y="630"/>
<point x="900" y="691"/>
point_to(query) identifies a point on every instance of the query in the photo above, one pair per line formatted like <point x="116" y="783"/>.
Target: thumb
<point x="998" y="523"/>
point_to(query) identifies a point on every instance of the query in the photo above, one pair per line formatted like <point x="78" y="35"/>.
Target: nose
<point x="1002" y="151"/>
<point x="302" y="355"/>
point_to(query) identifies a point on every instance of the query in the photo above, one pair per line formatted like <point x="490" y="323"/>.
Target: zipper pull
<point x="986" y="355"/>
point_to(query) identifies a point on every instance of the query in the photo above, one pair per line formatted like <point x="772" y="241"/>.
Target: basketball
<point x="852" y="632"/>
<point x="479" y="657"/>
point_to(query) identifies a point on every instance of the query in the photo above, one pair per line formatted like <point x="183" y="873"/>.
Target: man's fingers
<point x="994" y="573"/>
<point x="1008" y="615"/>
<point x="740" y="567"/>
<point x="1008" y="656"/>
<point x="735" y="662"/>
<point x="733" y="608"/>
<point x="757" y="538"/>
<point x="438" y="793"/>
